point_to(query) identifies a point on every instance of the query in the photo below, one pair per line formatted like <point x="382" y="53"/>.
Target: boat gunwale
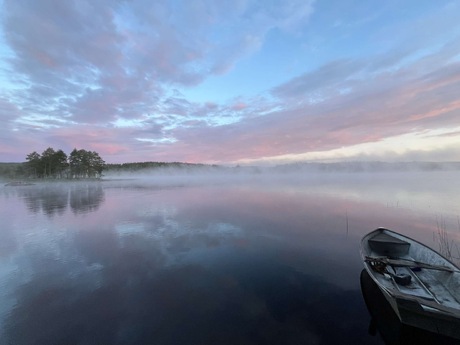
<point x="399" y="236"/>
<point x="396" y="294"/>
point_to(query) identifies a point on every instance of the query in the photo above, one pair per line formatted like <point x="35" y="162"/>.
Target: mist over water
<point x="208" y="258"/>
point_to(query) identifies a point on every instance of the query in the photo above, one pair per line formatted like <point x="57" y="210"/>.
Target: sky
<point x="231" y="82"/>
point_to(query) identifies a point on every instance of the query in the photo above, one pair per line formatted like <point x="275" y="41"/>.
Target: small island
<point x="55" y="164"/>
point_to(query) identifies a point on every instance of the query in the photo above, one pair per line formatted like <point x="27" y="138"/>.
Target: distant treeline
<point x="367" y="166"/>
<point x="138" y="166"/>
<point x="86" y="164"/>
<point x="11" y="170"/>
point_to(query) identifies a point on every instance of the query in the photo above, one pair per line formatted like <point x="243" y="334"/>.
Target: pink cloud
<point x="109" y="149"/>
<point x="83" y="65"/>
<point x="389" y="107"/>
<point x="434" y="113"/>
<point x="239" y="106"/>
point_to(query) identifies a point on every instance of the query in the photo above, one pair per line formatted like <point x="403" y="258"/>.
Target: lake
<point x="188" y="259"/>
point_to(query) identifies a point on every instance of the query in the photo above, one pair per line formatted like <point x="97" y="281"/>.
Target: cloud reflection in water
<point x="239" y="264"/>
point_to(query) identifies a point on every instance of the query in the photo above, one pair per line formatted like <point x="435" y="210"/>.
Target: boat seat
<point x="386" y="245"/>
<point x="415" y="288"/>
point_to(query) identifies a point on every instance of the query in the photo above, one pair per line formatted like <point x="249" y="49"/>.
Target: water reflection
<point x="48" y="200"/>
<point x="86" y="198"/>
<point x="127" y="293"/>
<point x="386" y="323"/>
<point x="259" y="263"/>
<point x="56" y="199"/>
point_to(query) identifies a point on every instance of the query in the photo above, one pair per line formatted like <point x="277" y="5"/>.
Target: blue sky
<point x="231" y="81"/>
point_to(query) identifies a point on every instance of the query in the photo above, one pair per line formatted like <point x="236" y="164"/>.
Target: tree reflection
<point x="49" y="200"/>
<point x="55" y="200"/>
<point x="86" y="198"/>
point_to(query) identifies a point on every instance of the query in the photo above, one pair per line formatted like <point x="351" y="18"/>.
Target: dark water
<point x="203" y="261"/>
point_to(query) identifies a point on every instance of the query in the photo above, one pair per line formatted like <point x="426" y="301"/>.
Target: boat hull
<point x="417" y="311"/>
<point x="385" y="321"/>
<point x="415" y="314"/>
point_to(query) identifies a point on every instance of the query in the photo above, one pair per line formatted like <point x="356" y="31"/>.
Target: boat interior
<point x="429" y="282"/>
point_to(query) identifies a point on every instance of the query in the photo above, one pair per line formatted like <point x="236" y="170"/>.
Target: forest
<point x="81" y="164"/>
<point x="138" y="166"/>
<point x="55" y="164"/>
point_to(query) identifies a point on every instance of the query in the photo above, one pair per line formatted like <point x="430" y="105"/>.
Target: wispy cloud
<point x="112" y="76"/>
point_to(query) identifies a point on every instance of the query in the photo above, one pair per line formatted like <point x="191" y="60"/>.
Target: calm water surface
<point x="189" y="260"/>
